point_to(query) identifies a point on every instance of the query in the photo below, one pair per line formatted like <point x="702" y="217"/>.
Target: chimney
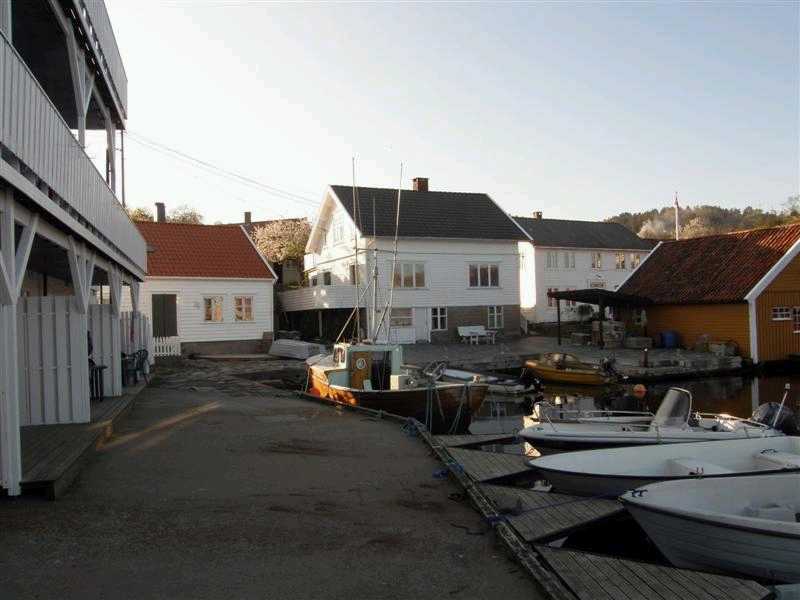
<point x="537" y="214"/>
<point x="420" y="184"/>
<point x="161" y="213"/>
<point x="247" y="218"/>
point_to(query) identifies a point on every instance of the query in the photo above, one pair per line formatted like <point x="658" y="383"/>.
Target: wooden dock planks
<point x="491" y="466"/>
<point x="594" y="577"/>
<point x="547" y="516"/>
<point x="464" y="441"/>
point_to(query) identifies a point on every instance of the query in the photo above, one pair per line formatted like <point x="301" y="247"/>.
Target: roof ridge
<point x="572" y="221"/>
<point x="394" y="189"/>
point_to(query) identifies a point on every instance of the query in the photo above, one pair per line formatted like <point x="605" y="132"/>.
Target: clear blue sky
<point x="580" y="110"/>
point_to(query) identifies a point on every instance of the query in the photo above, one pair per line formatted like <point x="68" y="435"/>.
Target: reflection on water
<point x="733" y="395"/>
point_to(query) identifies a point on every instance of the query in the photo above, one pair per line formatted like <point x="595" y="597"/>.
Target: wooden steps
<point x="547" y="516"/>
<point x="594" y="577"/>
<point x="52" y="455"/>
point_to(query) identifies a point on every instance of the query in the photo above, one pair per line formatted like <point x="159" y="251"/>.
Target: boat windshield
<point x="674" y="410"/>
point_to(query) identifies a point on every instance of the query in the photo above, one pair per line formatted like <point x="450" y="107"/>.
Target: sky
<point x="580" y="110"/>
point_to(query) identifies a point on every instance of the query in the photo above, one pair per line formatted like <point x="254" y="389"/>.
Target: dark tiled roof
<point x="183" y="250"/>
<point x="429" y="214"/>
<point x="713" y="269"/>
<point x="582" y="234"/>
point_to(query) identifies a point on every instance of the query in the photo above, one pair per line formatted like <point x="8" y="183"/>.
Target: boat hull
<point x="452" y="405"/>
<point x="709" y="545"/>
<point x="570" y="376"/>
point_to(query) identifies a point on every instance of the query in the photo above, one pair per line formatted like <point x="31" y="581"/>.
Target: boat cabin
<point x="367" y="367"/>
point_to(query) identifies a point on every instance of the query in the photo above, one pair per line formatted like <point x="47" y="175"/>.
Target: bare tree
<point x="140" y="214"/>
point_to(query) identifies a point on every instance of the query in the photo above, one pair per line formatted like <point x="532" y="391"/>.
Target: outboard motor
<point x="607" y="366"/>
<point x="787" y="422"/>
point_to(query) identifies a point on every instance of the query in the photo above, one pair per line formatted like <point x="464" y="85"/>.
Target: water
<point x="737" y="396"/>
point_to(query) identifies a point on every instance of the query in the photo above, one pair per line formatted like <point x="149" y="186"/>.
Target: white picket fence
<point x="166" y="346"/>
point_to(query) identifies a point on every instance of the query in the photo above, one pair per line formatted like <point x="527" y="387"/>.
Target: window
<point x="636" y="259"/>
<point x="213" y="309"/>
<point x="243" y="308"/>
<point x="326" y="278"/>
<point x="495" y="317"/>
<point x="401" y="317"/>
<point x="314" y="281"/>
<point x="484" y="275"/>
<point x="569" y="260"/>
<point x="551" y="302"/>
<point x="409" y="275"/>
<point x="796" y="319"/>
<point x="552" y="260"/>
<point x="597" y="260"/>
<point x="439" y="318"/>
<point x="353" y="274"/>
<point x="620" y="260"/>
<point x="781" y="313"/>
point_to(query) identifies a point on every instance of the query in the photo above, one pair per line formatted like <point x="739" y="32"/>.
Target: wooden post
<point x="558" y="317"/>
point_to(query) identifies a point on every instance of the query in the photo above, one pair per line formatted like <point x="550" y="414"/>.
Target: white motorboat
<point x="743" y="525"/>
<point x="613" y="471"/>
<point x="560" y="413"/>
<point x="515" y="386"/>
<point x="672" y="423"/>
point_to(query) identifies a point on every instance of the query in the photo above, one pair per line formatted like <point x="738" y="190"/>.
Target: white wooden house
<point x="62" y="228"/>
<point x="572" y="255"/>
<point x="208" y="290"/>
<point x="457" y="264"/>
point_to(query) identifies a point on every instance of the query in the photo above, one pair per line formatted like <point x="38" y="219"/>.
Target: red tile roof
<point x="182" y="250"/>
<point x="713" y="269"/>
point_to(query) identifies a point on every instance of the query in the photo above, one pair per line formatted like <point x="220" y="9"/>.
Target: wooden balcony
<point x="318" y="297"/>
<point x="42" y="158"/>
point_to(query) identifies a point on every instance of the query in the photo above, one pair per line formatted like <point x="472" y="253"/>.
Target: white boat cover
<point x="295" y="349"/>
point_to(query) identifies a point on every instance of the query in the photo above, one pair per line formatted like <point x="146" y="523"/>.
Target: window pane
<point x="484" y="275"/>
<point x="408" y="275"/>
<point x="473" y="275"/>
<point x="495" y="276"/>
<point x="326" y="278"/>
<point x="207" y="303"/>
<point x="419" y="275"/>
<point x="398" y="277"/>
<point x="400" y="317"/>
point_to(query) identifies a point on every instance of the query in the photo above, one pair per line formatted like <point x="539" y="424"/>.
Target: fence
<point x="104" y="327"/>
<point x="166" y="346"/>
<point x="136" y="333"/>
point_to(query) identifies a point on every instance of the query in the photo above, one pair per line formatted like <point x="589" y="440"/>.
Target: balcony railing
<point x="318" y="297"/>
<point x="34" y="132"/>
<point x="101" y="37"/>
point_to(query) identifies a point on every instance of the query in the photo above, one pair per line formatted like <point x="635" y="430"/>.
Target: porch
<point x="52" y="455"/>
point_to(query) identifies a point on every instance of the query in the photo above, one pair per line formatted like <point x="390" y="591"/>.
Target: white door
<point x="422" y="324"/>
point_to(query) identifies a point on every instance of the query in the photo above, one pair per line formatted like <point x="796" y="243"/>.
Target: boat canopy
<point x="675" y="409"/>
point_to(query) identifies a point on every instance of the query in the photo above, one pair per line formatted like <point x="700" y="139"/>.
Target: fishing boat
<point x="509" y="386"/>
<point x="566" y="368"/>
<point x="373" y="376"/>
<point x="743" y="525"/>
<point x="613" y="471"/>
<point x="673" y="423"/>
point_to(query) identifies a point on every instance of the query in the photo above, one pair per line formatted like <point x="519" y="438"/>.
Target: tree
<point x="185" y="214"/>
<point x="139" y="214"/>
<point x="282" y="240"/>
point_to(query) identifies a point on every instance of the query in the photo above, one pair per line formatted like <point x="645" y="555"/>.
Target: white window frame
<point x="569" y="260"/>
<point x="221" y="300"/>
<point x="313" y="280"/>
<point x="495" y="317"/>
<point x="781" y="313"/>
<point x="243" y="298"/>
<point x="597" y="261"/>
<point x="620" y="261"/>
<point x="327" y="278"/>
<point x="438" y="318"/>
<point x="400" y="275"/>
<point x="392" y="317"/>
<point x="636" y="260"/>
<point x="488" y="266"/>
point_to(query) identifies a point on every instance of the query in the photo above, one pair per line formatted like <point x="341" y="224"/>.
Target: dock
<point x="52" y="455"/>
<point x="491" y="466"/>
<point x="542" y="516"/>
<point x="466" y="441"/>
<point x="595" y="577"/>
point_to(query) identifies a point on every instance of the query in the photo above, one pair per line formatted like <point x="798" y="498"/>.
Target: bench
<point x="472" y="334"/>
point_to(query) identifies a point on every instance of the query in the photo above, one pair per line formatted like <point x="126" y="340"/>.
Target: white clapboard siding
<point x="53" y="361"/>
<point x="34" y="131"/>
<point x="107" y="346"/>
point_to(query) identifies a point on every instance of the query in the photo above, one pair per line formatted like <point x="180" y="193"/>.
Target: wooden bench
<point x="473" y="334"/>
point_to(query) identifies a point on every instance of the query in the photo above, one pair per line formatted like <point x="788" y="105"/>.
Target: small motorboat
<point x="613" y="471"/>
<point x="673" y="423"/>
<point x="373" y="376"/>
<point x="743" y="525"/>
<point x="566" y="368"/>
<point x="512" y="386"/>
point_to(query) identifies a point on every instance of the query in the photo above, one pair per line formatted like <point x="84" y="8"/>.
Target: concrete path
<point x="218" y="487"/>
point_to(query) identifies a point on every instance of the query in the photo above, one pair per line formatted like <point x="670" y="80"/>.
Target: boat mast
<point x="388" y="308"/>
<point x="356" y="218"/>
<point x="374" y="277"/>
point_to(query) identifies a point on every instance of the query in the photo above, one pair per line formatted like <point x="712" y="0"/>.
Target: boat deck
<point x="52" y="455"/>
<point x="594" y="577"/>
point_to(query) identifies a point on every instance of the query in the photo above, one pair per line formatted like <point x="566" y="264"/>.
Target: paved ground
<point x="215" y="487"/>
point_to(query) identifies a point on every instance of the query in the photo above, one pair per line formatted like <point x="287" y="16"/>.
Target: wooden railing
<point x="35" y="133"/>
<point x="308" y="298"/>
<point x="98" y="29"/>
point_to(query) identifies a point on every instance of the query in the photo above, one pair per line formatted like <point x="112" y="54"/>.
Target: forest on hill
<point x="697" y="221"/>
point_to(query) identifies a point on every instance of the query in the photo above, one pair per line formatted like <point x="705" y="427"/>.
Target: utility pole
<point x="677" y="218"/>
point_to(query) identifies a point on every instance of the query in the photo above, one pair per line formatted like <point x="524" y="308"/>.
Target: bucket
<point x="669" y="339"/>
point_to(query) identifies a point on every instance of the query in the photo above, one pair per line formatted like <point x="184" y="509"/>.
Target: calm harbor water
<point x="737" y="396"/>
